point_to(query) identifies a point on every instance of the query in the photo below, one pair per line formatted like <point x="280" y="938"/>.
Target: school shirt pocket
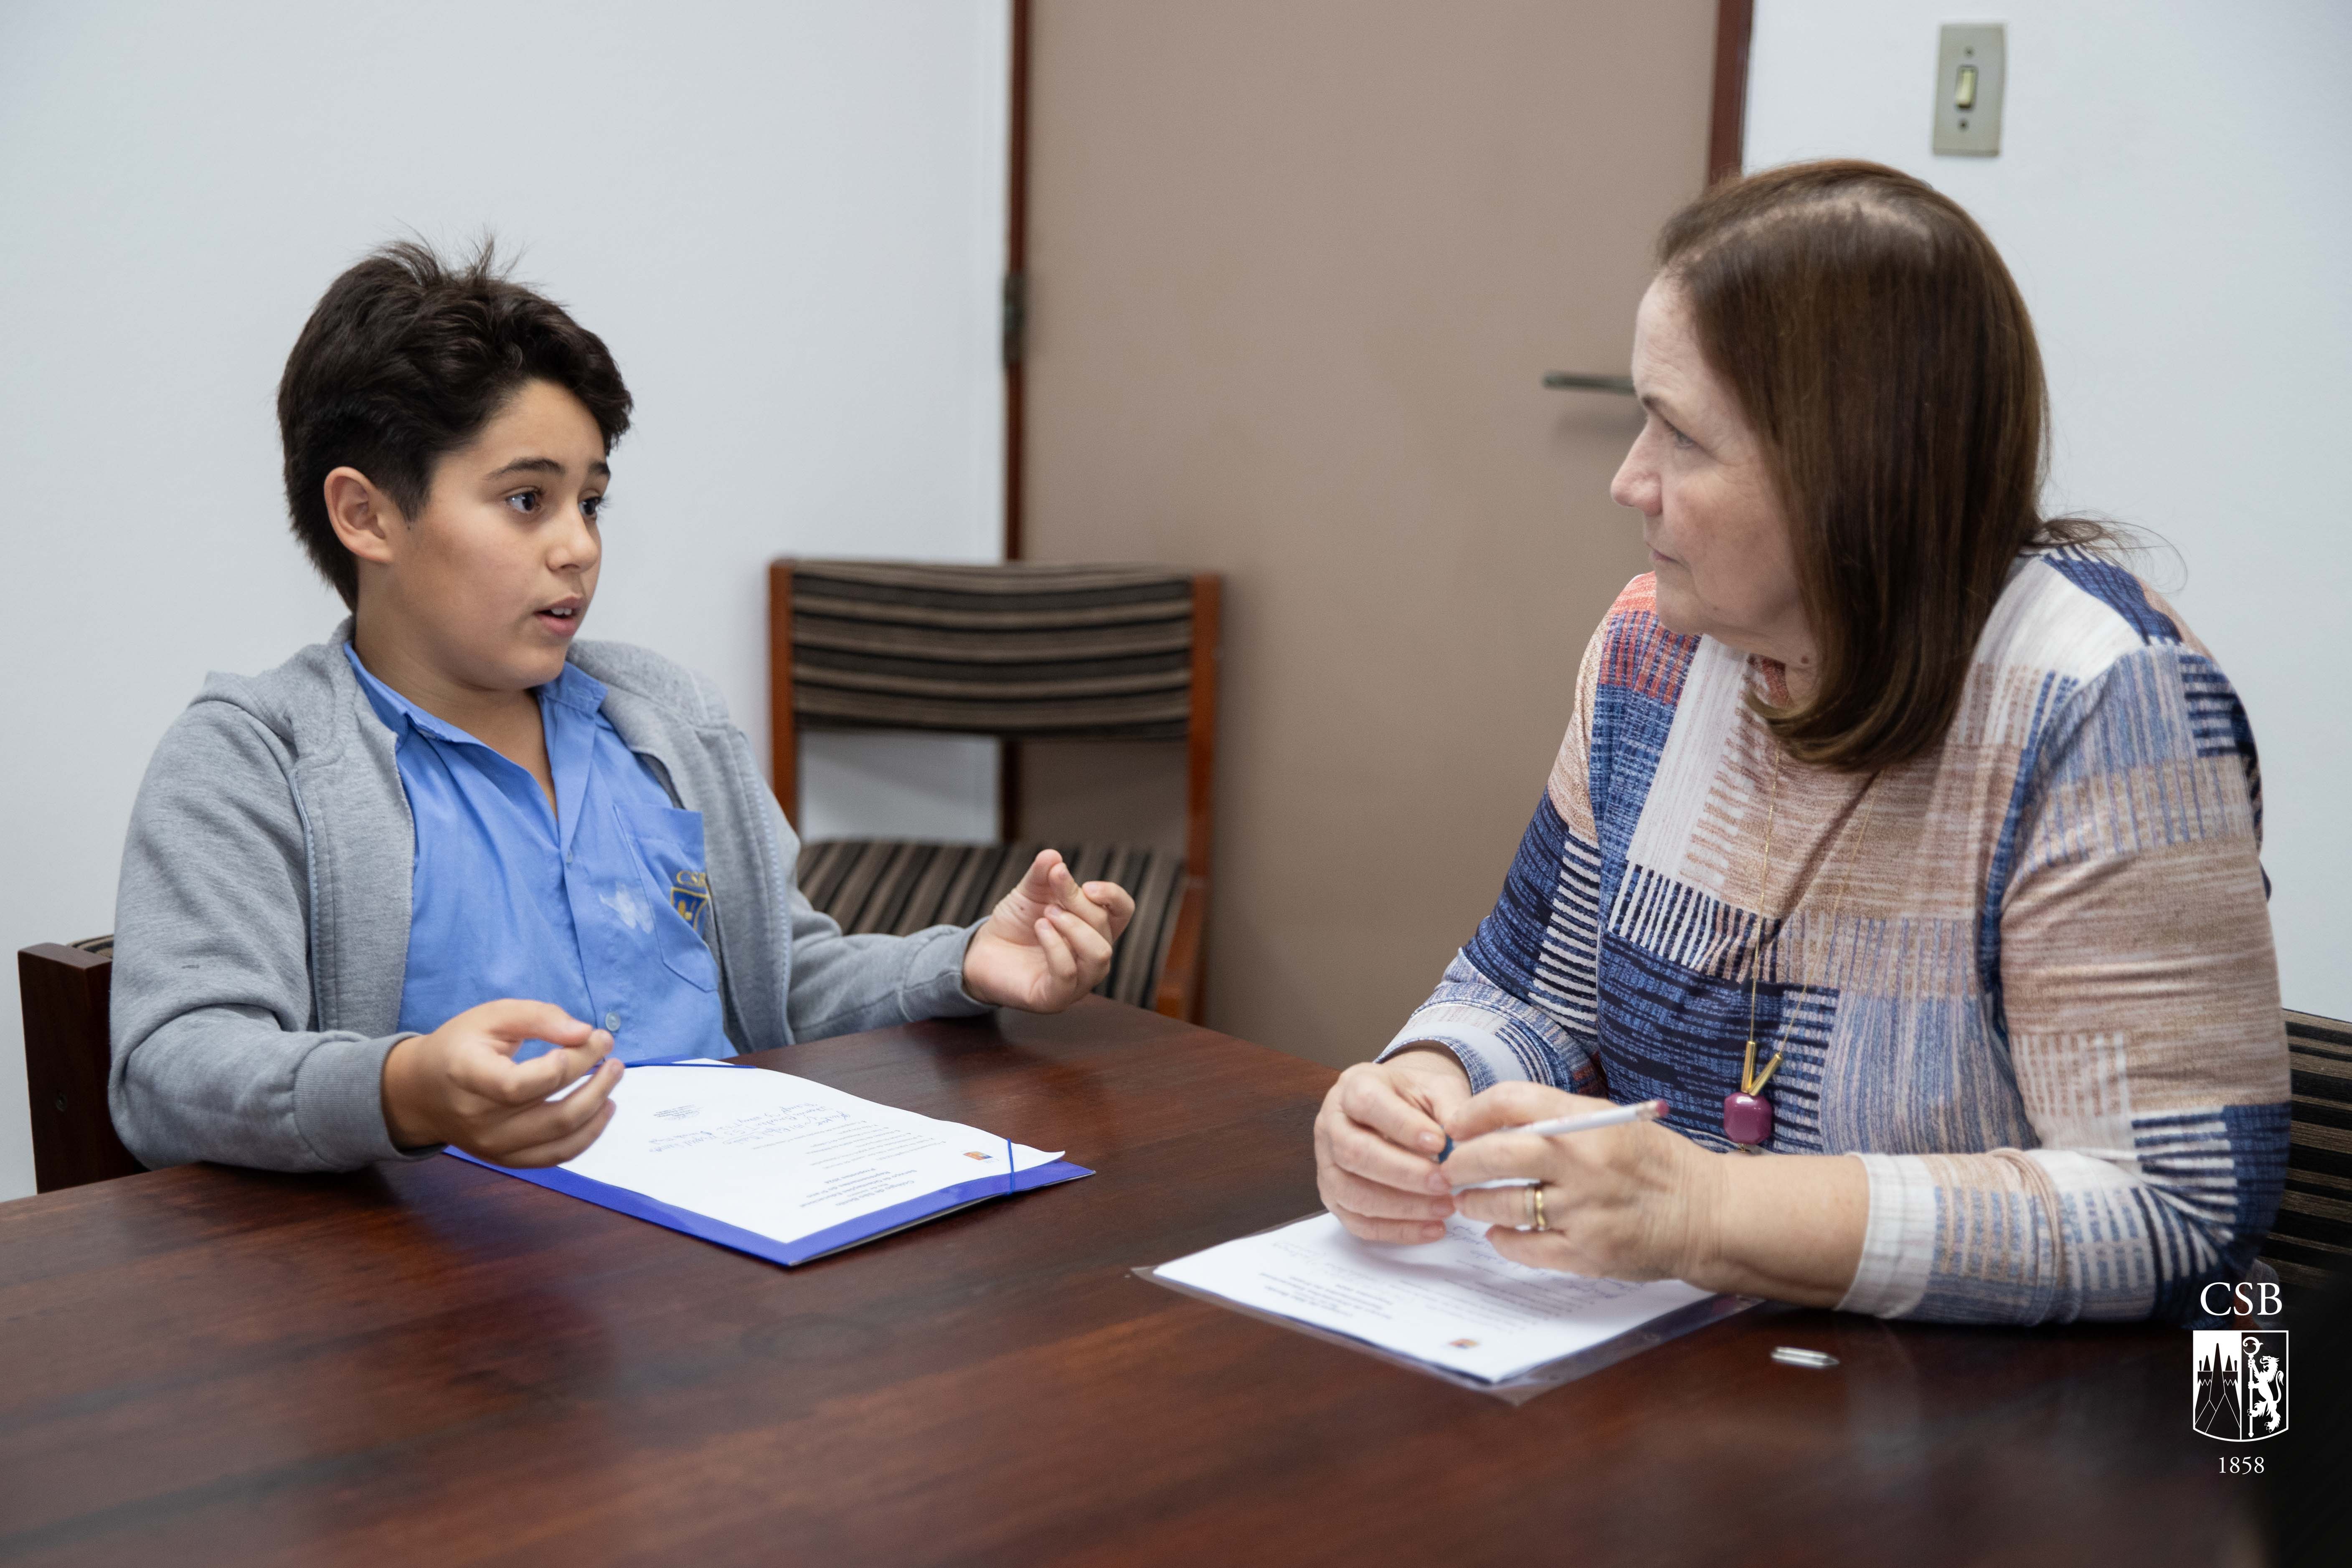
<point x="669" y="850"/>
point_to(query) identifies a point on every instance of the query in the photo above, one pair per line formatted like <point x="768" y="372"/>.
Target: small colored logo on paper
<point x="2238" y="1383"/>
<point x="976" y="1154"/>
<point x="1463" y="1345"/>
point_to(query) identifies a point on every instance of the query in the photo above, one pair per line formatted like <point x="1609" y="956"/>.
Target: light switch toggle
<point x="1971" y="68"/>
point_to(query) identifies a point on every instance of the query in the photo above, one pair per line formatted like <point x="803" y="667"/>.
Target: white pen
<point x="1616" y="1116"/>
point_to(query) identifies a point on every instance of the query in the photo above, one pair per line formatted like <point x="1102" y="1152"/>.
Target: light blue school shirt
<point x="599" y="908"/>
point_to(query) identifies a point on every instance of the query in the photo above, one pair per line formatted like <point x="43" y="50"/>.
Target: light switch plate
<point x="1967" y="106"/>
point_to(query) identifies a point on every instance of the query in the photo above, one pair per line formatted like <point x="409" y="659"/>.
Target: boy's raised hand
<point x="461" y="1086"/>
<point x="1048" y="941"/>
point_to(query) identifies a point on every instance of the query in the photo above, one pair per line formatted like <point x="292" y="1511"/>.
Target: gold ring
<point x="1536" y="1194"/>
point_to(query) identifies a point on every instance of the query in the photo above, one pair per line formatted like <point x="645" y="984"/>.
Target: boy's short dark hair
<point x="403" y="361"/>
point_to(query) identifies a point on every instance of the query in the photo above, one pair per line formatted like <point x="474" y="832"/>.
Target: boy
<point x="360" y="890"/>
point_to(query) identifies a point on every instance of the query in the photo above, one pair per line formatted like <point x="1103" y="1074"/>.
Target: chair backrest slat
<point x="2312" y="1237"/>
<point x="1016" y="649"/>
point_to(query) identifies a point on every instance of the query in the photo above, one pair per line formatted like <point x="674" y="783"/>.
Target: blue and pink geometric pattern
<point x="2027" y="979"/>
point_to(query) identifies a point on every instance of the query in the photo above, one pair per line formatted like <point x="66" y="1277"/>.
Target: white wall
<point x="2173" y="195"/>
<point x="786" y="218"/>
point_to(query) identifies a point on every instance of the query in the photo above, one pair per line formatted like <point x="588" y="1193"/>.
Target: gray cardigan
<point x="261" y="930"/>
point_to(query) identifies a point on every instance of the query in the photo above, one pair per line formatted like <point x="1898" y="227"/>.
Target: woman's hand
<point x="1048" y="941"/>
<point x="1377" y="1140"/>
<point x="1631" y="1202"/>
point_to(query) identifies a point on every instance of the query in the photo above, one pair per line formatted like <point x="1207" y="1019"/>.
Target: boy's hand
<point x="1049" y="941"/>
<point x="461" y="1086"/>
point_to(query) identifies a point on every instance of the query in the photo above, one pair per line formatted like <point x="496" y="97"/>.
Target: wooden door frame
<point x="1016" y="275"/>
<point x="1735" y="25"/>
<point x="1727" y="136"/>
<point x="1727" y="121"/>
<point x="1015" y="329"/>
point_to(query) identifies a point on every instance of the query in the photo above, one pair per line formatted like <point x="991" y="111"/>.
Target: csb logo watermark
<point x="2239" y="1384"/>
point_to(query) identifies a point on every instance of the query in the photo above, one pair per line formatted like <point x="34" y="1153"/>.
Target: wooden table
<point x="438" y="1364"/>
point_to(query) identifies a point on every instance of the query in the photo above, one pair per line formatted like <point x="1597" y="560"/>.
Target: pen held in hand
<point x="1616" y="1115"/>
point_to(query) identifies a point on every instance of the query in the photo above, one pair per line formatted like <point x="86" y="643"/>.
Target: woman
<point x="1896" y="834"/>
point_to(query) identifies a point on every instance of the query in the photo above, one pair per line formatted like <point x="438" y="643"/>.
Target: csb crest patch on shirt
<point x="690" y="895"/>
<point x="2238" y="1380"/>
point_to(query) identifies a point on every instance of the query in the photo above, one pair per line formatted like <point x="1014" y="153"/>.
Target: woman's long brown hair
<point x="1883" y="353"/>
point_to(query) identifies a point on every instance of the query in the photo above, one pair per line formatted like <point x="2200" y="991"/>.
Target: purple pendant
<point x="1747" y="1118"/>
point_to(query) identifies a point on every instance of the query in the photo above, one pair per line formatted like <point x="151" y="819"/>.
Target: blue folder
<point x="850" y="1232"/>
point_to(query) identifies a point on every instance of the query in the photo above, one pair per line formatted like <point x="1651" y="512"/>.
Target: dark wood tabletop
<point x="436" y="1364"/>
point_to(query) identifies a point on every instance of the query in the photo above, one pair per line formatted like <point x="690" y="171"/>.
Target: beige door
<point x="1296" y="268"/>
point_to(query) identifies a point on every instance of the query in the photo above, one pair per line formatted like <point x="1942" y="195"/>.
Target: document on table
<point x="781" y="1167"/>
<point x="1455" y="1304"/>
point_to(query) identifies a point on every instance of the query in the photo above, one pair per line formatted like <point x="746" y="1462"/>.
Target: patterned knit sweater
<point x="2027" y="979"/>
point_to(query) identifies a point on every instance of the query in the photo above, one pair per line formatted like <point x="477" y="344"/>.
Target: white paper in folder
<point x="781" y="1167"/>
<point x="1455" y="1303"/>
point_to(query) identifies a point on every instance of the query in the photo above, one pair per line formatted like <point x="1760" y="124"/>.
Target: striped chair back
<point x="1018" y="649"/>
<point x="897" y="887"/>
<point x="2312" y="1237"/>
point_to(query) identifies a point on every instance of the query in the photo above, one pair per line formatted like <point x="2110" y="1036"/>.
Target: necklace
<point x="1748" y="1115"/>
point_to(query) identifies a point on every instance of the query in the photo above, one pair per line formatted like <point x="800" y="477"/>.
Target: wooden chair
<point x="65" y="991"/>
<point x="1016" y="651"/>
<point x="2311" y="1240"/>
